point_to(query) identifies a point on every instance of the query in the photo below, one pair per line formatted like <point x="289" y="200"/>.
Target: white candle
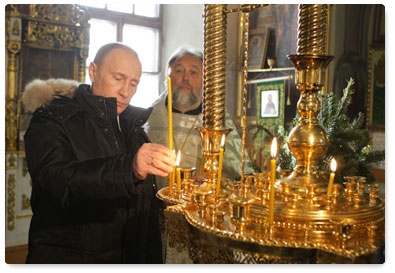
<point x="331" y="177"/>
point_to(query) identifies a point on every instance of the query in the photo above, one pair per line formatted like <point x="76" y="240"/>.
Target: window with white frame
<point x="137" y="25"/>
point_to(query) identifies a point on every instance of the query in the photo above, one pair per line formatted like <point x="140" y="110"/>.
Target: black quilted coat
<point x="87" y="208"/>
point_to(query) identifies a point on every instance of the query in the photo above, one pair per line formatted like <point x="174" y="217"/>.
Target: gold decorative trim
<point x="24" y="216"/>
<point x="11" y="202"/>
<point x="25" y="202"/>
<point x="62" y="27"/>
<point x="11" y="161"/>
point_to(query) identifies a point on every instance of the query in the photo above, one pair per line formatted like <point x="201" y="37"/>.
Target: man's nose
<point x="125" y="90"/>
<point x="185" y="77"/>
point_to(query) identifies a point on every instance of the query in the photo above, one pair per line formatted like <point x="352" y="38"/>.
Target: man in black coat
<point x="92" y="167"/>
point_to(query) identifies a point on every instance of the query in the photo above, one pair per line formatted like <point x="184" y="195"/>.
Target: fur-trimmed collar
<point x="39" y="93"/>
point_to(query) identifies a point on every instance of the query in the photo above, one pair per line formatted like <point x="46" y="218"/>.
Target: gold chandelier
<point x="261" y="212"/>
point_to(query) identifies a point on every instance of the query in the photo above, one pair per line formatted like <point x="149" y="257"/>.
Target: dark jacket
<point x="87" y="207"/>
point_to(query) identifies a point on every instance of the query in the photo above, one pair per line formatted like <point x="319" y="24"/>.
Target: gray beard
<point x="181" y="99"/>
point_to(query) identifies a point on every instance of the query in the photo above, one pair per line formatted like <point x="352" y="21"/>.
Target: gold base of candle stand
<point x="308" y="141"/>
<point x="172" y="197"/>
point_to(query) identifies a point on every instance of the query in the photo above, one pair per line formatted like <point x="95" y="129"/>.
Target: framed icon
<point x="270" y="100"/>
<point x="257" y="47"/>
<point x="376" y="90"/>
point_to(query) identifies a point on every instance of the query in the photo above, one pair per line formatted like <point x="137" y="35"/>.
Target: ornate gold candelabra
<point x="308" y="141"/>
<point x="310" y="225"/>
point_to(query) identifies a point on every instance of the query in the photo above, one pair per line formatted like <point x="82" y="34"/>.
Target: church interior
<point x="317" y="194"/>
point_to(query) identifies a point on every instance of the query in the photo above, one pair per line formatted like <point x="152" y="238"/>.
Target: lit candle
<point x="272" y="179"/>
<point x="178" y="171"/>
<point x="331" y="177"/>
<point x="220" y="163"/>
<point x="171" y="177"/>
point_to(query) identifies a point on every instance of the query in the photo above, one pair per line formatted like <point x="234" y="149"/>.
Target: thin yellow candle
<point x="178" y="171"/>
<point x="220" y="163"/>
<point x="170" y="122"/>
<point x="171" y="176"/>
<point x="273" y="153"/>
<point x="170" y="110"/>
<point x="331" y="177"/>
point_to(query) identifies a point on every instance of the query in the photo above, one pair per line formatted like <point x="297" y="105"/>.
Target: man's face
<point x="117" y="76"/>
<point x="187" y="82"/>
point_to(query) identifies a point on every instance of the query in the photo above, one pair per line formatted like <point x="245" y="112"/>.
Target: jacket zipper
<point x="111" y="129"/>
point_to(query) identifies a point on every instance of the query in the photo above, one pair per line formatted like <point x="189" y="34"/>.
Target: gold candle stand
<point x="308" y="141"/>
<point x="346" y="226"/>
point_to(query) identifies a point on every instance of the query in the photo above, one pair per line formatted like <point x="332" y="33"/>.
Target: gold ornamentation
<point x="11" y="161"/>
<point x="214" y="66"/>
<point x="11" y="121"/>
<point x="313" y="29"/>
<point x="11" y="201"/>
<point x="53" y="27"/>
<point x="50" y="35"/>
<point x="25" y="202"/>
<point x="11" y="132"/>
<point x="16" y="28"/>
<point x="309" y="226"/>
<point x="60" y="13"/>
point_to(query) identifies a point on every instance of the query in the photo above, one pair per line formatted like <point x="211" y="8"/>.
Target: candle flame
<point x="169" y="71"/>
<point x="333" y="165"/>
<point x="273" y="150"/>
<point x="178" y="158"/>
<point x="223" y="141"/>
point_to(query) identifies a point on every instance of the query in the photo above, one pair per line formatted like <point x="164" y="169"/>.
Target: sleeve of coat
<point x="57" y="175"/>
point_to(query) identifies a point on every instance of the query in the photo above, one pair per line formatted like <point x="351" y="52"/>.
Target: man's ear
<point x="92" y="71"/>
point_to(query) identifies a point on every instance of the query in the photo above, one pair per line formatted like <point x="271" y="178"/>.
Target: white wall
<point x="183" y="24"/>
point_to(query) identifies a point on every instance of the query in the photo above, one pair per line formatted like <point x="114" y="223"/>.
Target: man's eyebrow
<point x="119" y="73"/>
<point x="193" y="65"/>
<point x="125" y="76"/>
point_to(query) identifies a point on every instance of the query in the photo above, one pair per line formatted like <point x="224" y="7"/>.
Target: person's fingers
<point x="160" y="149"/>
<point x="163" y="154"/>
<point x="155" y="159"/>
<point x="163" y="159"/>
<point x="161" y="166"/>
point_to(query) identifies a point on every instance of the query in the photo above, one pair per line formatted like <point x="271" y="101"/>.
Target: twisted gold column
<point x="214" y="66"/>
<point x="312" y="29"/>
